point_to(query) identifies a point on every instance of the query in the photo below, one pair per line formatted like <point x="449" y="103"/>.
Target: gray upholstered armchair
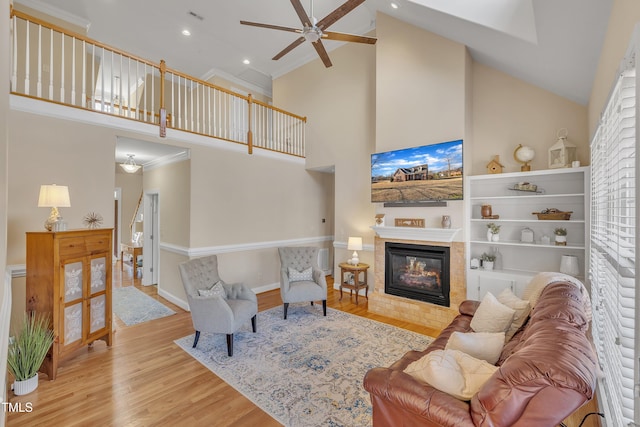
<point x="301" y="279"/>
<point x="216" y="306"/>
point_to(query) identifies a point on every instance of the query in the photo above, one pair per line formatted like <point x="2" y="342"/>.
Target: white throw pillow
<point x="299" y="276"/>
<point x="481" y="345"/>
<point x="452" y="372"/>
<point x="492" y="315"/>
<point x="522" y="308"/>
<point x="215" y="291"/>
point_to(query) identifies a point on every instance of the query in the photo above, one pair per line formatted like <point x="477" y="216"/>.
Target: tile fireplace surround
<point x="418" y="312"/>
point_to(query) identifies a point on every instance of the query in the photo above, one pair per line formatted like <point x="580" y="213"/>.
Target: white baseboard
<point x="173" y="299"/>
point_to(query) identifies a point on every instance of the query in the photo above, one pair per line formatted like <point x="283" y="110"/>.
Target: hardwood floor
<point x="144" y="379"/>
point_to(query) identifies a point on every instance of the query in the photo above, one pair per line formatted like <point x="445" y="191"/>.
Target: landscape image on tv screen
<point x="419" y="174"/>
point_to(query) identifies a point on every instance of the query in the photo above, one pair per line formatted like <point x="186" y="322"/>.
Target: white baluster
<point x="83" y="101"/>
<point x="62" y="68"/>
<point x="14" y="73"/>
<point x="27" y="56"/>
<point x="73" y="71"/>
<point x="146" y="118"/>
<point x="39" y="84"/>
<point x="51" y="64"/>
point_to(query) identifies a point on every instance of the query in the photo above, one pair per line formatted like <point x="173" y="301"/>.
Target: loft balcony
<point x="53" y="64"/>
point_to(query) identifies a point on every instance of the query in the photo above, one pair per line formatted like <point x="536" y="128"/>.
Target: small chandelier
<point x="130" y="165"/>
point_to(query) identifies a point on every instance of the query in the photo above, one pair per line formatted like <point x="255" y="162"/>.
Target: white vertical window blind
<point x="612" y="271"/>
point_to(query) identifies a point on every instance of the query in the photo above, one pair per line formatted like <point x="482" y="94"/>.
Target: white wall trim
<point x="166" y="160"/>
<point x="17" y="270"/>
<point x="237" y="80"/>
<point x="5" y="320"/>
<point x="185" y="305"/>
<point x="57" y="13"/>
<point x="242" y="247"/>
<point x="343" y="245"/>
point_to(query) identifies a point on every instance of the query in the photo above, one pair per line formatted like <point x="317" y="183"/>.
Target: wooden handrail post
<point x="163" y="111"/>
<point x="249" y="132"/>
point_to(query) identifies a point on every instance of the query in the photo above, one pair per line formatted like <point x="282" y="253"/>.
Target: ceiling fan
<point x="315" y="31"/>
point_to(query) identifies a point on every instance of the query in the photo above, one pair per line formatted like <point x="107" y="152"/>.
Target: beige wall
<point x="172" y="183"/>
<point x="416" y="88"/>
<point x="78" y="155"/>
<point x="422" y="88"/>
<point x="340" y="132"/>
<point x="508" y="112"/>
<point x="625" y="14"/>
<point x="131" y="190"/>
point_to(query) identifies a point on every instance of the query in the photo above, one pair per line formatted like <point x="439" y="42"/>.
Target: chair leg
<point x="195" y="341"/>
<point x="253" y="323"/>
<point x="324" y="306"/>
<point x="230" y="344"/>
<point x="286" y="306"/>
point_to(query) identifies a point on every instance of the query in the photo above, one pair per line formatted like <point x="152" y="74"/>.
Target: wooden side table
<point x="135" y="251"/>
<point x="352" y="281"/>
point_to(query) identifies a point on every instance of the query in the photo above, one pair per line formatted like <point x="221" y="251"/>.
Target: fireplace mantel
<point x="412" y="233"/>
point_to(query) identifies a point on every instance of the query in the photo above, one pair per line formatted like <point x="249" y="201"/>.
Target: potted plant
<point x="28" y="350"/>
<point x="561" y="236"/>
<point x="488" y="260"/>
<point x="493" y="231"/>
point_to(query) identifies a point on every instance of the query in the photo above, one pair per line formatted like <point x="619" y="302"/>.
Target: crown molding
<point x="56" y="13"/>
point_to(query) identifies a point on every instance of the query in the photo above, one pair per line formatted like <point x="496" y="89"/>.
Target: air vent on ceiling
<point x="195" y="15"/>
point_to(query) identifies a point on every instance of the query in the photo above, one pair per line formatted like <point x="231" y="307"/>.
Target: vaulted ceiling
<point x="553" y="44"/>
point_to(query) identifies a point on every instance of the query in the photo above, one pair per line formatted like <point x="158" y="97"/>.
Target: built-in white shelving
<point x="563" y="189"/>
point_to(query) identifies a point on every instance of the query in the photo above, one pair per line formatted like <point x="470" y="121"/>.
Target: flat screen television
<point x="419" y="174"/>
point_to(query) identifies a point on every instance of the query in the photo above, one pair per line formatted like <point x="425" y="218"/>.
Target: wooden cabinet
<point x="521" y="256"/>
<point x="69" y="276"/>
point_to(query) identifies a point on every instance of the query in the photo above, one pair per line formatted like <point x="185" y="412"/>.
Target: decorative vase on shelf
<point x="446" y="221"/>
<point x="495" y="237"/>
<point x="561" y="240"/>
<point x="485" y="211"/>
<point x="487" y="265"/>
<point x="489" y="236"/>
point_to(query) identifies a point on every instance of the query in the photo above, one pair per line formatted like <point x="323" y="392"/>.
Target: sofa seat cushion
<point x="452" y="372"/>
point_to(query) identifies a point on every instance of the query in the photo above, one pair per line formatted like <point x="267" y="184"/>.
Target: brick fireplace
<point x="419" y="312"/>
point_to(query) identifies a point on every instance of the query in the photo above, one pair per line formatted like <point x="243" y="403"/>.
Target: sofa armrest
<point x="468" y="307"/>
<point x="393" y="389"/>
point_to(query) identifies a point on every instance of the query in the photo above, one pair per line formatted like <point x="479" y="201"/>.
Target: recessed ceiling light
<point x="246" y="62"/>
<point x="394" y="5"/>
<point x="186" y="32"/>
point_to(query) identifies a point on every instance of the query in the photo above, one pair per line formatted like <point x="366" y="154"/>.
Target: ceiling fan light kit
<point x="314" y="30"/>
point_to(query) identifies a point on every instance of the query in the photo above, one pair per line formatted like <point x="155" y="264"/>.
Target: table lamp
<point x="53" y="196"/>
<point x="355" y="245"/>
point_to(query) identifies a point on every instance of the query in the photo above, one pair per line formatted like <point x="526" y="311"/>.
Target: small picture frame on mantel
<point x="410" y="222"/>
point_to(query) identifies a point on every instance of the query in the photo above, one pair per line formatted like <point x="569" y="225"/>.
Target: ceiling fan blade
<point x="302" y="14"/>
<point x="322" y="52"/>
<point x="289" y="48"/>
<point x="331" y="18"/>
<point x="344" y="37"/>
<point x="272" y="27"/>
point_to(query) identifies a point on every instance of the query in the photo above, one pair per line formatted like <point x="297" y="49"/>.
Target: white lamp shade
<point x="569" y="265"/>
<point x="54" y="196"/>
<point x="354" y="244"/>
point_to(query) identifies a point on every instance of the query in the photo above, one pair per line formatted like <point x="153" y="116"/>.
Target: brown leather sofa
<point x="546" y="372"/>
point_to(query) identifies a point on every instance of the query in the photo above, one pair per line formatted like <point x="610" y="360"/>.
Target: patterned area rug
<point x="133" y="306"/>
<point x="306" y="370"/>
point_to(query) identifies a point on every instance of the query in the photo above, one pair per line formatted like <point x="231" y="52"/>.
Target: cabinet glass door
<point x="72" y="281"/>
<point x="98" y="313"/>
<point x="98" y="274"/>
<point x="72" y="323"/>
